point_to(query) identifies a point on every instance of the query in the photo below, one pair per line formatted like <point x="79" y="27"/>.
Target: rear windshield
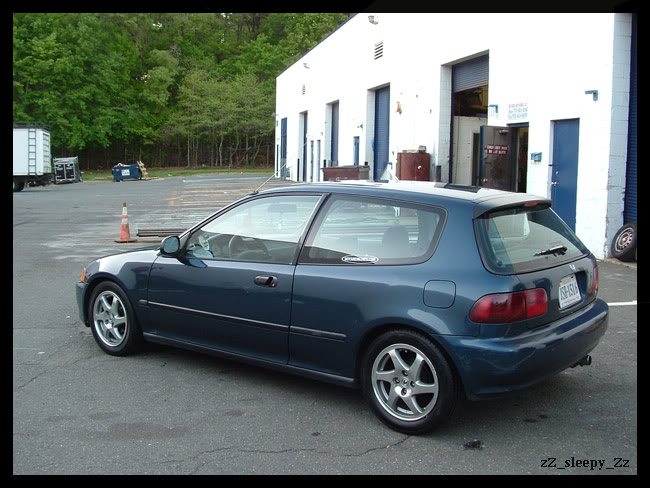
<point x="523" y="239"/>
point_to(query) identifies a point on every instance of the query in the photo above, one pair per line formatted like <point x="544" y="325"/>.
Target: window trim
<point x="243" y="200"/>
<point x="327" y="204"/>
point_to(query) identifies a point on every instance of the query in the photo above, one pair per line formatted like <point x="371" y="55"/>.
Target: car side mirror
<point x="170" y="246"/>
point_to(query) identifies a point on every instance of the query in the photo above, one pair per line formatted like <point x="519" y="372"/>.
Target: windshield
<point x="523" y="239"/>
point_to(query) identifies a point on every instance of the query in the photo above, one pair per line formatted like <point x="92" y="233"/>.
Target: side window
<point x="262" y="230"/>
<point x="353" y="231"/>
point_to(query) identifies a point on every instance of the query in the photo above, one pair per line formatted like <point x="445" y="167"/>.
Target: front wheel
<point x="408" y="382"/>
<point x="112" y="320"/>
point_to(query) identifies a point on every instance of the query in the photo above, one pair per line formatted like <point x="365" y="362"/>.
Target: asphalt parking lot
<point x="77" y="410"/>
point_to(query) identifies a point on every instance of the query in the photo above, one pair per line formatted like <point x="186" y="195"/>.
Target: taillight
<point x="509" y="307"/>
<point x="594" y="281"/>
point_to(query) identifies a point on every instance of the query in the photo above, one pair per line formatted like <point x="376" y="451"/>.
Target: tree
<point x="203" y="83"/>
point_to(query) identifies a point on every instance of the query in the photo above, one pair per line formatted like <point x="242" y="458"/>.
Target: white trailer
<point x="32" y="156"/>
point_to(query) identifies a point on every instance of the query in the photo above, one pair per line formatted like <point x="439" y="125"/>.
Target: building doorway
<point x="503" y="158"/>
<point x="564" y="179"/>
<point x="382" y="126"/>
<point x="470" y="84"/>
<point x="302" y="168"/>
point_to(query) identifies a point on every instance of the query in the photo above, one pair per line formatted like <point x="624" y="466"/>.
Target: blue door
<point x="304" y="148"/>
<point x="564" y="184"/>
<point x="382" y="116"/>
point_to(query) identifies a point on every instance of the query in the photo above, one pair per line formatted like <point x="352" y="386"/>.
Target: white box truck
<point x="32" y="156"/>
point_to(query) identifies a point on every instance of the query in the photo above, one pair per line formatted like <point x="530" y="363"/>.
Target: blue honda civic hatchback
<point x="414" y="292"/>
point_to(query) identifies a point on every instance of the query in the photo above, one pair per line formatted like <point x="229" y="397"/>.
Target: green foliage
<point x="202" y="84"/>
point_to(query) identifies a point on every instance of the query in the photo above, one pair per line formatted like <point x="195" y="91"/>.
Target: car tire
<point x="112" y="320"/>
<point x="408" y="382"/>
<point x="624" y="243"/>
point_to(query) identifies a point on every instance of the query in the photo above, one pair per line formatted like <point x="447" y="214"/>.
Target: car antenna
<point x="279" y="171"/>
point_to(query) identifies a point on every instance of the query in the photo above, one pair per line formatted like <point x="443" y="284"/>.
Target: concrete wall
<point x="542" y="63"/>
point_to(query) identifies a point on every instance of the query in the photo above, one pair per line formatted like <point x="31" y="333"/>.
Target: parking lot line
<point x="622" y="304"/>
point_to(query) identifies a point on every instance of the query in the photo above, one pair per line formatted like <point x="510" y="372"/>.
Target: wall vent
<point x="379" y="49"/>
<point x="303" y="89"/>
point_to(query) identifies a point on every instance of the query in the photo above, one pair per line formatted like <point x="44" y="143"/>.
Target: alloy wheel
<point x="405" y="382"/>
<point x="110" y="319"/>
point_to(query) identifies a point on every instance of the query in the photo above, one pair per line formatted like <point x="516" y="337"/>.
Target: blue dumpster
<point x="126" y="172"/>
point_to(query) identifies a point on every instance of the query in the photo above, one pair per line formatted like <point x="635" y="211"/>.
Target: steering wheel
<point x="238" y="245"/>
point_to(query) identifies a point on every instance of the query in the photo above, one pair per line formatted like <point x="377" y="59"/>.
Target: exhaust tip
<point x="585" y="361"/>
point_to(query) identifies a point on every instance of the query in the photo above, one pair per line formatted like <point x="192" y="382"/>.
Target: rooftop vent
<point x="379" y="49"/>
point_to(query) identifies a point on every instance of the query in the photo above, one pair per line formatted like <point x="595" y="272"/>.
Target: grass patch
<point x="107" y="175"/>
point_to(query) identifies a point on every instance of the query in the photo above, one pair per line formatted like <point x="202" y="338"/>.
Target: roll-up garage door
<point x="631" y="175"/>
<point x="470" y="74"/>
<point x="382" y="126"/>
<point x="335" y="134"/>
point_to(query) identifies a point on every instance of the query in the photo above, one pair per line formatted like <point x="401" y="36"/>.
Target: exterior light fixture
<point x="373" y="19"/>
<point x="594" y="93"/>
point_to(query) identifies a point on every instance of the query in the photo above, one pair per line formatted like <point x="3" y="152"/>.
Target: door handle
<point x="269" y="281"/>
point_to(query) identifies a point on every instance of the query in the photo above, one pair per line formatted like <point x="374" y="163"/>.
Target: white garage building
<point x="541" y="103"/>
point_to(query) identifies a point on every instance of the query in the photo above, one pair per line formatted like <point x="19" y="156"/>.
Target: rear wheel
<point x="624" y="243"/>
<point x="408" y="382"/>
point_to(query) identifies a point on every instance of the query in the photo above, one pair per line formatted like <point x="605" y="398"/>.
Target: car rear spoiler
<point x="503" y="202"/>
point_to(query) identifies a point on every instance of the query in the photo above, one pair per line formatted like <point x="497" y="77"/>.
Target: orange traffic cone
<point x="125" y="235"/>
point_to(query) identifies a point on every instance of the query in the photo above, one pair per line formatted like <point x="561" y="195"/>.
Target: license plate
<point x="569" y="292"/>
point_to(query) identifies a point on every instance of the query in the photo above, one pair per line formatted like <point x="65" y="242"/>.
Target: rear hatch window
<point x="524" y="239"/>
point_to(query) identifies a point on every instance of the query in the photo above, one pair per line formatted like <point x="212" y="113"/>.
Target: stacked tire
<point x="624" y="243"/>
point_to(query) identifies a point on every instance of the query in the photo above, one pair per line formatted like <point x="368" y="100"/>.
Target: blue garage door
<point x="335" y="135"/>
<point x="382" y="115"/>
<point x="283" y="149"/>
<point x="631" y="177"/>
<point x="304" y="148"/>
<point x="470" y="74"/>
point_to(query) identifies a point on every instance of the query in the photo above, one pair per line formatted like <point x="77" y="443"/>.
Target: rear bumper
<point x="81" y="289"/>
<point x="489" y="367"/>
